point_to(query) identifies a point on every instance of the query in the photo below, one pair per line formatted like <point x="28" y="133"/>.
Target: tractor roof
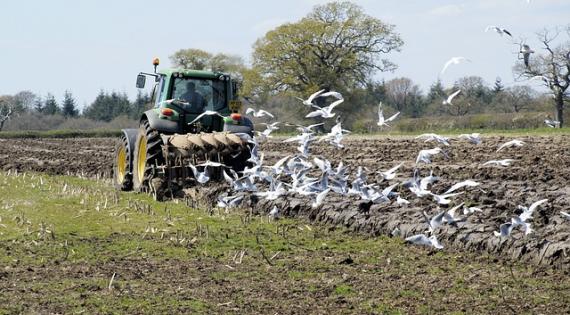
<point x="191" y="73"/>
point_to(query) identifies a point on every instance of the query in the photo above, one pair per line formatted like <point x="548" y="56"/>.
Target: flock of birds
<point x="315" y="177"/>
<point x="524" y="50"/>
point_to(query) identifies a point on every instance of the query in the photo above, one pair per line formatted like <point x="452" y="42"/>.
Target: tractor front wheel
<point x="148" y="153"/>
<point x="122" y="173"/>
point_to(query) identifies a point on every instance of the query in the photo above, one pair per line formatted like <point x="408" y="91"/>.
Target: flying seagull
<point x="552" y="123"/>
<point x="259" y="113"/>
<point x="454" y="60"/>
<point x="497" y="29"/>
<point x="422" y="239"/>
<point x="325" y="112"/>
<point x="474" y="138"/>
<point x="384" y="122"/>
<point x="512" y="143"/>
<point x="526" y="51"/>
<point x="450" y="98"/>
<point x="206" y="113"/>
<point x="309" y="101"/>
<point x="505" y="162"/>
<point x="425" y="155"/>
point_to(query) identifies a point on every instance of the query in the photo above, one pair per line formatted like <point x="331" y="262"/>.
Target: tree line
<point x="337" y="46"/>
<point x="106" y="106"/>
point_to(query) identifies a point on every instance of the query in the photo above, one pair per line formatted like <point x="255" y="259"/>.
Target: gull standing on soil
<point x="422" y="239"/>
<point x="498" y="30"/>
<point x="505" y="162"/>
<point x="512" y="143"/>
<point x="448" y="100"/>
<point x="309" y="101"/>
<point x="384" y="122"/>
<point x="259" y="113"/>
<point x="454" y="60"/>
<point x="325" y="112"/>
<point x="474" y="138"/>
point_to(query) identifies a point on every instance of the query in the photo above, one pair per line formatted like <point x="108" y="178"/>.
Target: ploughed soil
<point x="540" y="171"/>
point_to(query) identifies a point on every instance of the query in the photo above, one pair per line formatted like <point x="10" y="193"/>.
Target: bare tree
<point x="404" y="96"/>
<point x="518" y="97"/>
<point x="5" y="113"/>
<point x="552" y="68"/>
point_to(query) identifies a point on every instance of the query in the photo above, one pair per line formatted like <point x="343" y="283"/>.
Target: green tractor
<point x="170" y="138"/>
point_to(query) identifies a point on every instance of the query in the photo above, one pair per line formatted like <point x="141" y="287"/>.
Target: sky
<point x="85" y="46"/>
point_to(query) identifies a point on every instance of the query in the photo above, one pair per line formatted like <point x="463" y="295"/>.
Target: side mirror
<point x="141" y="80"/>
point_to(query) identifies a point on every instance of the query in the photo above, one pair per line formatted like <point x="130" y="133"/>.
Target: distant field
<point x="62" y="134"/>
<point x="71" y="245"/>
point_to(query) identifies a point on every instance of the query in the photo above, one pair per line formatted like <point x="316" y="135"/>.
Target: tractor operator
<point x="197" y="102"/>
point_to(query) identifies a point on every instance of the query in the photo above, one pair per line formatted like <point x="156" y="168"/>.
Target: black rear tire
<point x="122" y="172"/>
<point x="147" y="155"/>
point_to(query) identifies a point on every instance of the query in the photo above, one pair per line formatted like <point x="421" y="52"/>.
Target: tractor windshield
<point x="202" y="94"/>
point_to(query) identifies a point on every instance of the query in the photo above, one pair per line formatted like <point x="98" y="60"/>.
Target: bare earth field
<point x="318" y="271"/>
<point x="540" y="171"/>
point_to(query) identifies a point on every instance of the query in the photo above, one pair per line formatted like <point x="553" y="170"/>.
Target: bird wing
<point x="462" y="184"/>
<point x="334" y="104"/>
<point x="264" y="112"/>
<point x="394" y="169"/>
<point x="334" y="94"/>
<point x="453" y="95"/>
<point x="249" y="111"/>
<point x="312" y="97"/>
<point x="490" y="27"/>
<point x="447" y="64"/>
<point x="206" y="113"/>
<point x="315" y="125"/>
<point x="316" y="113"/>
<point x="392" y="117"/>
<point x="503" y="146"/>
<point x="507" y="32"/>
<point x="536" y="204"/>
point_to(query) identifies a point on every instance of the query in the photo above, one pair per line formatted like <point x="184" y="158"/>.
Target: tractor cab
<point x="180" y="95"/>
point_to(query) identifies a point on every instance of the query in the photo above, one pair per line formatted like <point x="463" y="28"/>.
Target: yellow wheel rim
<point x="121" y="164"/>
<point x="141" y="161"/>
